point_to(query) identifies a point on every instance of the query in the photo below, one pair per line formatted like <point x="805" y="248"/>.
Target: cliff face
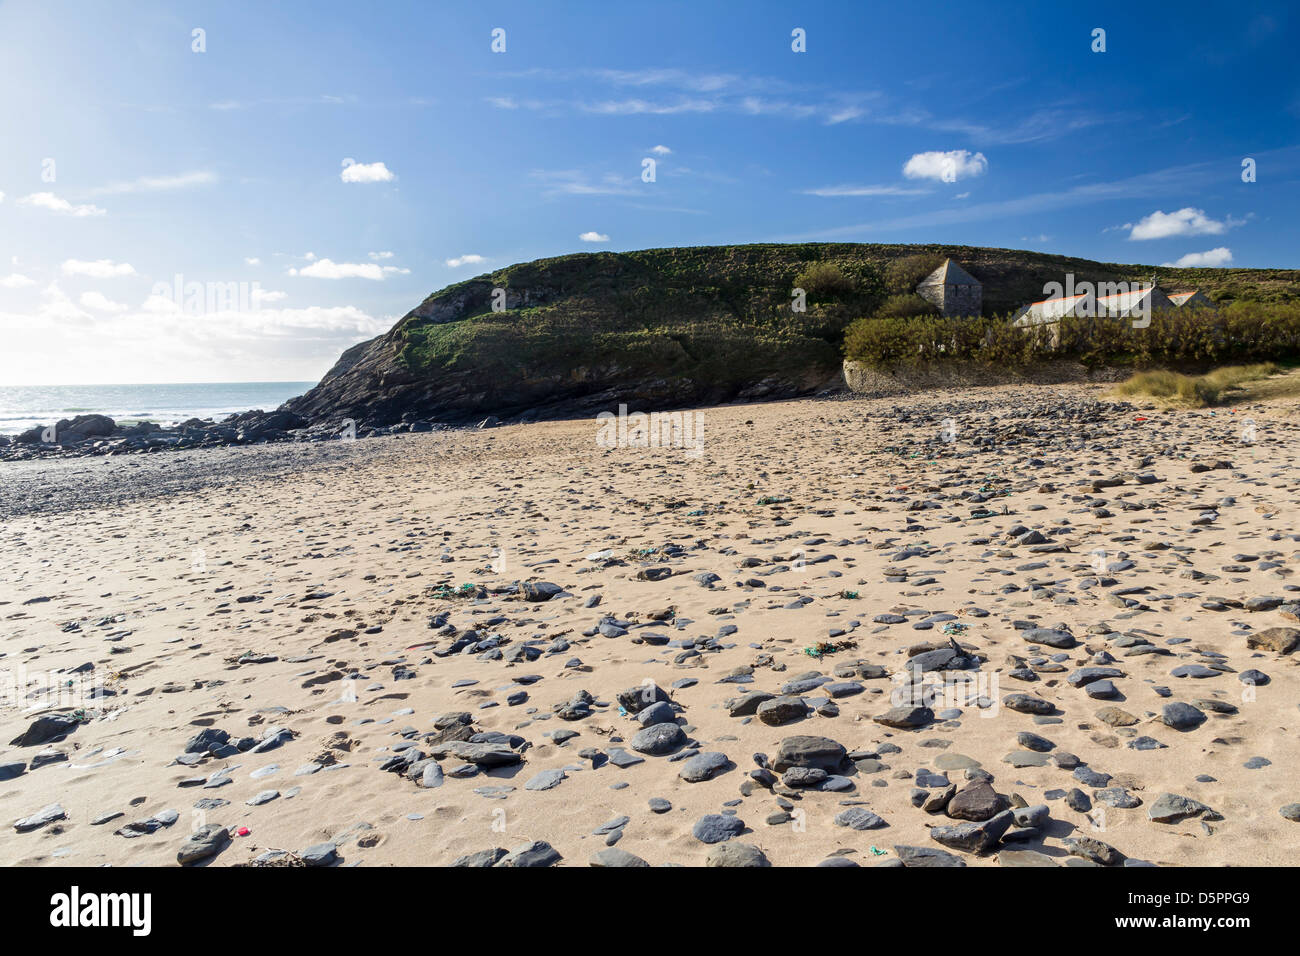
<point x="666" y="327"/>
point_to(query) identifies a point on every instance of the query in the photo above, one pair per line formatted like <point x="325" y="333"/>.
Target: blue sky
<point x="989" y="124"/>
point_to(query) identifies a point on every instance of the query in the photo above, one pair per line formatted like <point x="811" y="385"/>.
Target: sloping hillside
<point x="673" y="327"/>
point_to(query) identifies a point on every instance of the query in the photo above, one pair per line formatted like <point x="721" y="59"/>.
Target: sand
<point x="333" y="566"/>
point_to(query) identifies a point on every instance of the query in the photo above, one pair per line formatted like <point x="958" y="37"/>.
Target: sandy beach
<point x="336" y="642"/>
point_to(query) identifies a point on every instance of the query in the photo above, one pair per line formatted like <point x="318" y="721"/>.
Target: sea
<point x="23" y="406"/>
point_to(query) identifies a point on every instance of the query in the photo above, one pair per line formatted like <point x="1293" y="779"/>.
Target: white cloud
<point x="949" y="167"/>
<point x="58" y="308"/>
<point x="54" y="204"/>
<point x="328" y="269"/>
<point x="2" y="197"/>
<point x="252" y="260"/>
<point x="99" y="269"/>
<point x="197" y="177"/>
<point x="354" y="172"/>
<point x="160" y="305"/>
<point x="466" y="260"/>
<point x="661" y="150"/>
<point x="865" y="191"/>
<point x="260" y="296"/>
<point x="1184" y="222"/>
<point x="100" y="302"/>
<point x="593" y="236"/>
<point x="15" y="281"/>
<point x="381" y="255"/>
<point x="1210" y="259"/>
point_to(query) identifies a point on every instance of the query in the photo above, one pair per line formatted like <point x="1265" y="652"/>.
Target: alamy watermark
<point x="683" y="430"/>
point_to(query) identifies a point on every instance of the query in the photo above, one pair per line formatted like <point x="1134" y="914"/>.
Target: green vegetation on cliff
<point x="694" y="325"/>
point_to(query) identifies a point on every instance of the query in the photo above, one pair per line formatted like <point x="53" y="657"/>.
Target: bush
<point x="905" y="307"/>
<point x="1240" y="332"/>
<point x="903" y="275"/>
<point x="824" y="279"/>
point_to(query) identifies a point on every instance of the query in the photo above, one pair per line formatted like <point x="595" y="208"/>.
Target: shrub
<point x="824" y="279"/>
<point x="904" y="274"/>
<point x="905" y="307"/>
<point x="1240" y="332"/>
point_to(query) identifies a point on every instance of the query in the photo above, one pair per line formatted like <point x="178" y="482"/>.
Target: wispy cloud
<point x="98" y="269"/>
<point x="576" y="182"/>
<point x="61" y="206"/>
<point x="329" y="269"/>
<point x="847" y="190"/>
<point x="1172" y="180"/>
<point x="197" y="177"/>
<point x="470" y="259"/>
<point x="323" y="99"/>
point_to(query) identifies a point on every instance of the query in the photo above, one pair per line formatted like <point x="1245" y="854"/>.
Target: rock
<point x="1087" y="675"/>
<point x="1052" y="638"/>
<point x="479" y="754"/>
<point x="1094" y="850"/>
<point x="747" y="705"/>
<point x="612" y="856"/>
<point x="1024" y="858"/>
<point x="781" y="710"/>
<point x="973" y="837"/>
<point x="46" y="728"/>
<point x="1282" y="640"/>
<point x="545" y="780"/>
<point x="481" y="858"/>
<point x="1028" y="704"/>
<point x="660" y="712"/>
<point x="808" y="751"/>
<point x="636" y="699"/>
<point x="1034" y="742"/>
<point x="1181" y="716"/>
<point x="537" y="591"/>
<point x="858" y="818"/>
<point x="11" y="771"/>
<point x="905" y="718"/>
<point x="207" y="841"/>
<point x="320" y="854"/>
<point x="535" y="854"/>
<point x="704" y="766"/>
<point x="717" y="827"/>
<point x="977" y="801"/>
<point x="735" y="854"/>
<point x="1292" y="812"/>
<point x="46" y="814"/>
<point x="926" y="856"/>
<point x="1035" y="817"/>
<point x="658" y="740"/>
<point x="1116" y="717"/>
<point x="1173" y="807"/>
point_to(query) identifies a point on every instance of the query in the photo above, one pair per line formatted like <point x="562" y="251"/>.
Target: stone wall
<point x="872" y="382"/>
<point x="953" y="299"/>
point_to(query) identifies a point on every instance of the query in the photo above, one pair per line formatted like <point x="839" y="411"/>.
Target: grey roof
<point x="950" y="274"/>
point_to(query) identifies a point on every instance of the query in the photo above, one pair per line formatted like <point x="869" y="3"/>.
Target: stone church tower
<point x="954" y="290"/>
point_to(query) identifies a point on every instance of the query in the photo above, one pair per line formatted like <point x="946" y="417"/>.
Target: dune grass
<point x="1221" y="386"/>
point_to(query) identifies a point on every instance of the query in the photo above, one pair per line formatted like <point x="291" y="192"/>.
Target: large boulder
<point x="808" y="751"/>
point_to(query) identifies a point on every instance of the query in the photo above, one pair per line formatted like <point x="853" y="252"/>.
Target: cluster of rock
<point x="100" y="435"/>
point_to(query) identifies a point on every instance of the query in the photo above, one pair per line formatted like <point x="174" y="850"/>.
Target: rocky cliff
<point x="666" y="328"/>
